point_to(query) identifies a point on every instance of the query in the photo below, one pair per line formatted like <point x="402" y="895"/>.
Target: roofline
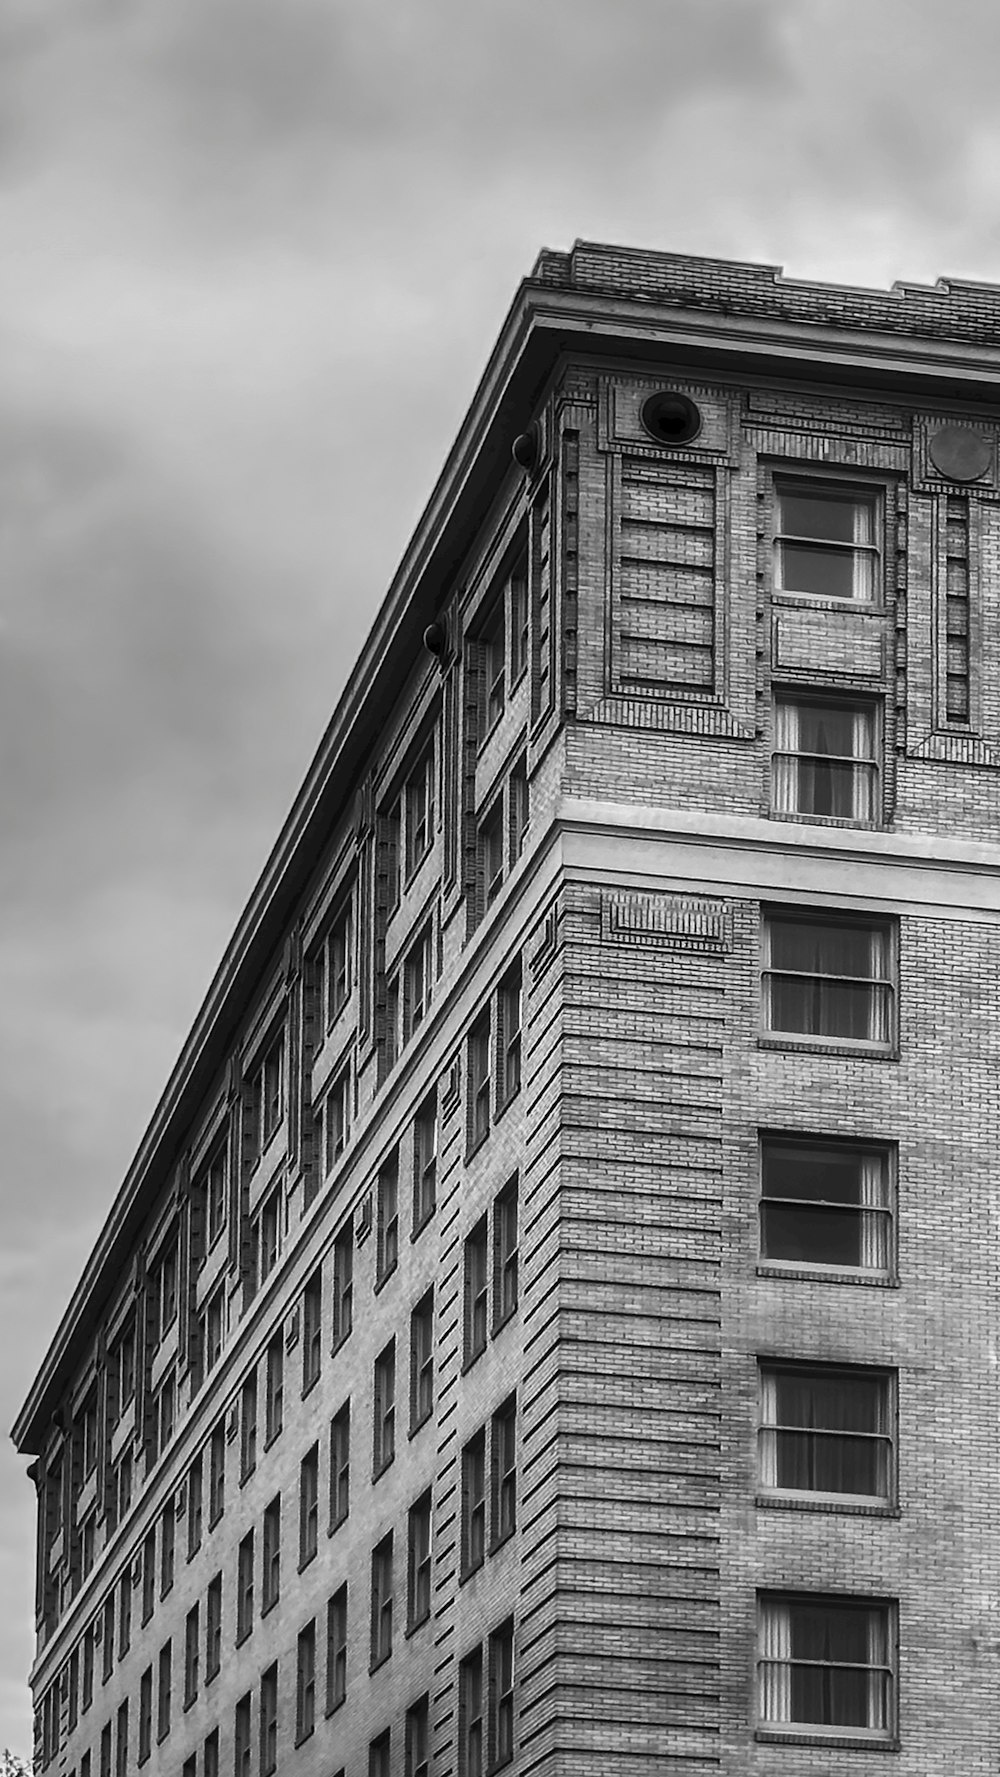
<point x="552" y="313"/>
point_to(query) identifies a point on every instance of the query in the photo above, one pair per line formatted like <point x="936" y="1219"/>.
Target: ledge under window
<point x="858" y="1742"/>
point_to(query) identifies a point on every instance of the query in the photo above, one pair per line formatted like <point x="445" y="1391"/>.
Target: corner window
<point x="825" y="1431"/>
<point x="825" y="758"/>
<point x="827" y="1664"/>
<point x="828" y="977"/>
<point x="825" y="1203"/>
<point x="827" y="541"/>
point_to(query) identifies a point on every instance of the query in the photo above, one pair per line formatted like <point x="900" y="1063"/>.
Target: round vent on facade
<point x="960" y="454"/>
<point x="671" y="418"/>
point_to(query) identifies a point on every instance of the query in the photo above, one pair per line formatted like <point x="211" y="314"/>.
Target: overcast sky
<point x="254" y="256"/>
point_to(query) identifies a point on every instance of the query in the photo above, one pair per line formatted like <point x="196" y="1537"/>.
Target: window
<point x="343" y="1283"/>
<point x="826" y="1663"/>
<point x="213" y="1627"/>
<point x="340" y="1465"/>
<point x="418" y="978"/>
<point x="509" y="1037"/>
<point x="827" y="541"/>
<point x="212" y="1328"/>
<point x="194" y="1506"/>
<point x="121" y="1374"/>
<point x="336" y="1649"/>
<point x="162" y="1292"/>
<point x="335" y="1120"/>
<point x="390" y="856"/>
<point x="378" y="1756"/>
<point x="381" y="1637"/>
<point x="270" y="1233"/>
<point x="148" y="1574"/>
<point x="125" y="1613"/>
<point x="492" y="642"/>
<point x="190" y="1766"/>
<point x="164" y="1412"/>
<point x="269" y="1721"/>
<point x="390" y="1025"/>
<point x="491" y="852"/>
<point x="108" y="1638"/>
<point x="87" y="1682"/>
<point x="476" y="1291"/>
<point x="825" y="759"/>
<point x="387" y="1240"/>
<point x="828" y="977"/>
<point x="244" y="1587"/>
<point x="385" y="1408"/>
<point x="88" y="1542"/>
<point x="266" y="1096"/>
<point x="519" y="808"/>
<point x="825" y="1203"/>
<point x="500" y="1735"/>
<point x="163" y="1691"/>
<point x="419" y="1563"/>
<point x="241" y="1737"/>
<point x="274" y="1399"/>
<point x="145" y="1714"/>
<point x="826" y="1431"/>
<point x="470" y="1715"/>
<point x="417" y="1748"/>
<point x="518" y="626"/>
<point x="312" y="1330"/>
<point x="309" y="1505"/>
<point x="248" y="1426"/>
<point x="335" y="967"/>
<point x="305" y="1686"/>
<point x="85" y="1765"/>
<point x="420" y="812"/>
<point x="212" y="1187"/>
<point x="192" y="1633"/>
<point x="479" y="1080"/>
<point x="167" y="1527"/>
<point x="270" y="1578"/>
<point x="503" y="1473"/>
<point x="210" y="1765"/>
<point x="422" y="1361"/>
<point x="73" y="1687"/>
<point x="121" y="1741"/>
<point x="425" y="1161"/>
<point x="505" y="1253"/>
<point x="217" y="1474"/>
<point x="106" y="1750"/>
<point x="474" y="1503"/>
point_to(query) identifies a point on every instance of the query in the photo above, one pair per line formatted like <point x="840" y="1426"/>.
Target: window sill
<point x="831" y="1737"/>
<point x="273" y="1437"/>
<point x="418" y="1227"/>
<point x="331" y="1529"/>
<point x="248" y="1475"/>
<point x="375" y="1664"/>
<point x="307" y="1561"/>
<point x="268" y="1606"/>
<point x="799" y="817"/>
<point x="505" y="1320"/>
<point x="307" y="1734"/>
<point x="377" y="1473"/>
<point x="413" y="1628"/>
<point x="500" y="1542"/>
<point x="812" y="601"/>
<point x="473" y="1358"/>
<point x="243" y="1636"/>
<point x="854" y="1049"/>
<point x="467" y="1573"/>
<point x="308" y="1386"/>
<point x="209" y="1676"/>
<point x="881" y="1280"/>
<point x="476" y="1143"/>
<point x="383" y="1278"/>
<point x="212" y="1522"/>
<point x="331" y="1708"/>
<point x="830" y="1503"/>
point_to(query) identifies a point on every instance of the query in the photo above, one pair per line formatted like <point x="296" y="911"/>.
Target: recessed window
<point x="825" y="1431"/>
<point x="384" y="1414"/>
<point x="334" y="1118"/>
<point x="336" y="1649"/>
<point x="829" y="978"/>
<point x="418" y="979"/>
<point x="826" y="1663"/>
<point x="387" y="1234"/>
<point x="425" y="1161"/>
<point x="266" y="1104"/>
<point x="381" y="1616"/>
<point x="270" y="1574"/>
<point x="825" y="759"/>
<point x="420" y="812"/>
<point x="825" y="1203"/>
<point x="827" y="541"/>
<point x="419" y="1563"/>
<point x="422" y="1361"/>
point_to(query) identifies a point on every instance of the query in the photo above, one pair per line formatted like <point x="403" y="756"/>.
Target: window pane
<point x="804" y="947"/>
<point x="825" y="1206"/>
<point x="834" y="516"/>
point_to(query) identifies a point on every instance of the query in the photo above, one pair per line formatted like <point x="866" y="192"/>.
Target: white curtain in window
<point x="878" y="1660"/>
<point x="768" y="1437"/>
<point x="864" y="559"/>
<point x="874" y="1226"/>
<point x="775" y="1663"/>
<point x="785" y="769"/>
<point x="878" y="1000"/>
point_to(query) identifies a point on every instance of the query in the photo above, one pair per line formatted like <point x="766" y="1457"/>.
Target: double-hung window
<point x="381" y="1601"/>
<point x="826" y="1664"/>
<point x="827" y="541"/>
<point x="825" y="1431"/>
<point x="422" y="1361"/>
<point x="335" y="1120"/>
<point x="420" y="812"/>
<point x="418" y="978"/>
<point x="830" y="977"/>
<point x="424" y="1161"/>
<point x="825" y="1203"/>
<point x="825" y="758"/>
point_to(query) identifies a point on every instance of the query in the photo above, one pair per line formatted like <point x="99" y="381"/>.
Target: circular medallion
<point x="671" y="418"/>
<point x="960" y="454"/>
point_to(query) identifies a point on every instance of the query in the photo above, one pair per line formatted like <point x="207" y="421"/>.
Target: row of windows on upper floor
<point x="493" y="1051"/>
<point x="490" y="1250"/>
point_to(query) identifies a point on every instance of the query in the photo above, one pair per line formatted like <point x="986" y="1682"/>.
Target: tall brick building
<point x="551" y="1321"/>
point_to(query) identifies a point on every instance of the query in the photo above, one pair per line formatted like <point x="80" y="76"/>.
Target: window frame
<point x="382" y="1595"/>
<point x="270" y="1555"/>
<point x="771" y="1142"/>
<point x="384" y="1409"/>
<point x="831" y="487"/>
<point x="503" y="1473"/>
<point x="425" y="1158"/>
<point x="419" y="1550"/>
<point x="770" y="1727"/>
<point x="336" y="1648"/>
<point x="422" y="1361"/>
<point x="309" y="1506"/>
<point x="773" y="1369"/>
<point x="340" y="1465"/>
<point x="833" y="919"/>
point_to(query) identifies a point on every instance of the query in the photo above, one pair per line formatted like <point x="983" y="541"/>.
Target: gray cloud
<point x="237" y="236"/>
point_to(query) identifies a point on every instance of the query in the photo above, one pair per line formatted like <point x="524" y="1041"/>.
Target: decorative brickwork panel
<point x="953" y="653"/>
<point x="667" y="919"/>
<point x="664" y="578"/>
<point x="836" y="642"/>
